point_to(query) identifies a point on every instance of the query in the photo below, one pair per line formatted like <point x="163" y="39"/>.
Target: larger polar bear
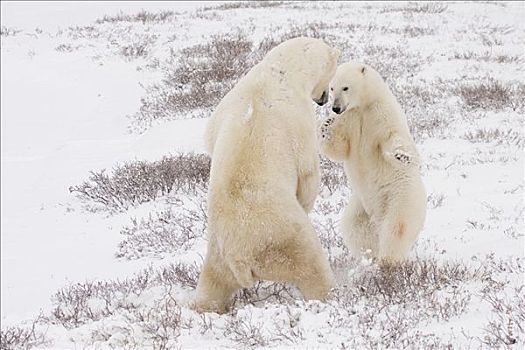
<point x="265" y="177"/>
<point x="388" y="204"/>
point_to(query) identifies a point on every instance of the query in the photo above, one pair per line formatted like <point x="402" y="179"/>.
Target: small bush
<point x="20" y="337"/>
<point x="179" y="274"/>
<point x="419" y="8"/>
<point x="486" y="56"/>
<point x="81" y="303"/>
<point x="415" y="31"/>
<point x="196" y="78"/>
<point x="161" y="325"/>
<point x="509" y="137"/>
<point x="8" y="31"/>
<point x="428" y="121"/>
<point x="507" y="327"/>
<point x="435" y="200"/>
<point x="135" y="50"/>
<point x="162" y="233"/>
<point x="265" y="292"/>
<point x="333" y="176"/>
<point x="199" y="76"/>
<point x="137" y="182"/>
<point x="65" y="48"/>
<point x="134" y="183"/>
<point x="384" y="306"/>
<point x="232" y="5"/>
<point x="142" y="16"/>
<point x="410" y="280"/>
<point x="85" y="32"/>
<point x="245" y="331"/>
<point x="488" y="94"/>
<point x="391" y="62"/>
<point x="157" y="325"/>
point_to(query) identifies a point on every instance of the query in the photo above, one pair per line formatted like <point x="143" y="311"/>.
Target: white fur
<point x="265" y="177"/>
<point x="388" y="205"/>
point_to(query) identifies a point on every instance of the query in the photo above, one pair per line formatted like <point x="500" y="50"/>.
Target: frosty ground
<point x="104" y="177"/>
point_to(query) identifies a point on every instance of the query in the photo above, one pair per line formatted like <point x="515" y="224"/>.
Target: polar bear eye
<point x="331" y="89"/>
<point x="345" y="88"/>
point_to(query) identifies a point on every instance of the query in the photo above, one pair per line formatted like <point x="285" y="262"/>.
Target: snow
<point x="52" y="15"/>
<point x="64" y="114"/>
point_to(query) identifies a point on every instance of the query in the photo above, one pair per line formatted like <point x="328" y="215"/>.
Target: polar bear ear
<point x="363" y="69"/>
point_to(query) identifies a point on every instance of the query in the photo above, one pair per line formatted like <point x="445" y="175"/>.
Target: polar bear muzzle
<point x="337" y="107"/>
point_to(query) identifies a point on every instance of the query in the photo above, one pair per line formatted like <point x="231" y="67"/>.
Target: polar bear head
<point x="305" y="63"/>
<point x="355" y="85"/>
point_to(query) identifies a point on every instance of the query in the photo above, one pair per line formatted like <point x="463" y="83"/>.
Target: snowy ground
<point x="82" y="92"/>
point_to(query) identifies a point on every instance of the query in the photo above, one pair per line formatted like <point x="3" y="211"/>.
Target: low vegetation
<point x="133" y="183"/>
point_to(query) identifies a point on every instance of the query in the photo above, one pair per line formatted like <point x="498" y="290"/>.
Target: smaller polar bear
<point x="388" y="205"/>
<point x="265" y="176"/>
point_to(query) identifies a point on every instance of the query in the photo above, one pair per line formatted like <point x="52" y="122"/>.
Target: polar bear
<point x="369" y="133"/>
<point x="264" y="177"/>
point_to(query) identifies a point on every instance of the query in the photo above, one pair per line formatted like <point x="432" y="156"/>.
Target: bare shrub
<point x="265" y="292"/>
<point x="66" y="48"/>
<point x="318" y="30"/>
<point x="428" y="121"/>
<point x="91" y="301"/>
<point x="487" y="94"/>
<point x="419" y="8"/>
<point x="288" y="329"/>
<point x="509" y="265"/>
<point x="410" y="280"/>
<point x="142" y="16"/>
<point x="425" y="107"/>
<point x="435" y="200"/>
<point x="137" y="182"/>
<point x="383" y="305"/>
<point x="164" y="232"/>
<point x="81" y="303"/>
<point x="417" y="31"/>
<point x="498" y="136"/>
<point x="196" y="78"/>
<point x="179" y="274"/>
<point x="392" y="62"/>
<point x="490" y="40"/>
<point x="207" y="15"/>
<point x="156" y="325"/>
<point x="9" y="31"/>
<point x="243" y="330"/>
<point x="507" y="59"/>
<point x="161" y="324"/>
<point x="333" y="176"/>
<point x="245" y="4"/>
<point x="22" y="337"/>
<point x="486" y="56"/>
<point x="226" y="55"/>
<point x="506" y="328"/>
<point x="411" y="96"/>
<point x="134" y="50"/>
<point x="84" y="32"/>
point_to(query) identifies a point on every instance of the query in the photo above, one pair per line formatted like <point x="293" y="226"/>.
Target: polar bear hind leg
<point x="396" y="237"/>
<point x="298" y="259"/>
<point x="216" y="285"/>
<point x="358" y="230"/>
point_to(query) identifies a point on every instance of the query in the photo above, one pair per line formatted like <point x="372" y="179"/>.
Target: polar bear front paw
<point x="403" y="157"/>
<point x="326" y="132"/>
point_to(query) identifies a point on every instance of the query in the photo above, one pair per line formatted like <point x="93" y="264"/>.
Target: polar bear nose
<point x="336" y="109"/>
